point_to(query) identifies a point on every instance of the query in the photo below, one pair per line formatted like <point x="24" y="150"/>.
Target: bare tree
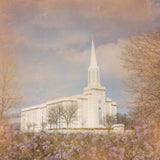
<point x="55" y="115"/>
<point x="29" y="126"/>
<point x="9" y="96"/>
<point x="83" y="121"/>
<point x="50" y="122"/>
<point x="33" y="126"/>
<point x="70" y="114"/>
<point x="43" y="125"/>
<point x="141" y="58"/>
<point x="109" y="120"/>
<point x="126" y="120"/>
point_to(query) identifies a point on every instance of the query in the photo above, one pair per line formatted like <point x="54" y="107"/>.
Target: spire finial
<point x="93" y="62"/>
<point x="92" y="37"/>
<point x="93" y="70"/>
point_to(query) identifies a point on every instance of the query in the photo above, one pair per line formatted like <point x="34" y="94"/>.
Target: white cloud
<point x="108" y="58"/>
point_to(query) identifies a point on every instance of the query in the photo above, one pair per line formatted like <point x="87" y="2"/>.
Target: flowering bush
<point x="16" y="145"/>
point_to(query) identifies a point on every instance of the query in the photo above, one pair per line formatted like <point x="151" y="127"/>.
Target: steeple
<point x="93" y="75"/>
<point x="93" y="62"/>
<point x="93" y="70"/>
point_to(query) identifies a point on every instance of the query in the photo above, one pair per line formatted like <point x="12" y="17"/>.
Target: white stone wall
<point x="83" y="113"/>
<point x="87" y="112"/>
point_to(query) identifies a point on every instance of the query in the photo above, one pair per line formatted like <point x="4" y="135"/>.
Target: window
<point x="100" y="115"/>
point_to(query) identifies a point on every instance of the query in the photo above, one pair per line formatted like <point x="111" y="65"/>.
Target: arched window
<point x="100" y="115"/>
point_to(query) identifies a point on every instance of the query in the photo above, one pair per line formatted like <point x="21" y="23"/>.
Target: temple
<point x="93" y="105"/>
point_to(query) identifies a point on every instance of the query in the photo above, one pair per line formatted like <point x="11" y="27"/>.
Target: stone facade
<point x="92" y="104"/>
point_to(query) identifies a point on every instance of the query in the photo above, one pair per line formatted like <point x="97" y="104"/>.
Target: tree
<point x="125" y="119"/>
<point x="9" y="96"/>
<point x="55" y="115"/>
<point x="83" y="121"/>
<point x="29" y="126"/>
<point x="141" y="58"/>
<point x="70" y="114"/>
<point x="43" y="125"/>
<point x="108" y="121"/>
<point x="33" y="126"/>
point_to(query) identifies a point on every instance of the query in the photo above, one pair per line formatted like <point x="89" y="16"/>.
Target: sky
<point x="50" y="40"/>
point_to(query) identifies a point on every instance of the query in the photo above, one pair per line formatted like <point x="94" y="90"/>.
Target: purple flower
<point x="139" y="135"/>
<point x="17" y="133"/>
<point x="94" y="140"/>
<point x="7" y="128"/>
<point x="45" y="147"/>
<point x="35" y="136"/>
<point x="29" y="146"/>
<point x="62" y="143"/>
<point x="22" y="148"/>
<point x="133" y="141"/>
<point x="9" y="148"/>
<point x="121" y="157"/>
<point x="138" y="128"/>
<point x="113" y="154"/>
<point x="146" y="131"/>
<point x="124" y="138"/>
<point x="66" y="136"/>
<point x="65" y="155"/>
<point x="79" y="148"/>
<point x="145" y="126"/>
<point x="8" y="136"/>
<point x="82" y="143"/>
<point x="51" y="158"/>
<point x="109" y="143"/>
<point x="57" y="156"/>
<point x="42" y="136"/>
<point x="35" y="145"/>
<point x="71" y="151"/>
<point x="114" y="149"/>
<point x="79" y="136"/>
<point x="150" y="155"/>
<point x="121" y="150"/>
<point x="13" y="154"/>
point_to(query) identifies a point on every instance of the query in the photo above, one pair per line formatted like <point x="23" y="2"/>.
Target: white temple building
<point x="92" y="104"/>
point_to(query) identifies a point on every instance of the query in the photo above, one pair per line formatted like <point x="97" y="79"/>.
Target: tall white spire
<point x="93" y="70"/>
<point x="93" y="62"/>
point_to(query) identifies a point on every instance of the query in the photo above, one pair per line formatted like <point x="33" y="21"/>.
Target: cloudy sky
<point x="51" y="42"/>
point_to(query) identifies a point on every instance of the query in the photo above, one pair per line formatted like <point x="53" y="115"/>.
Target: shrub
<point x="15" y="145"/>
